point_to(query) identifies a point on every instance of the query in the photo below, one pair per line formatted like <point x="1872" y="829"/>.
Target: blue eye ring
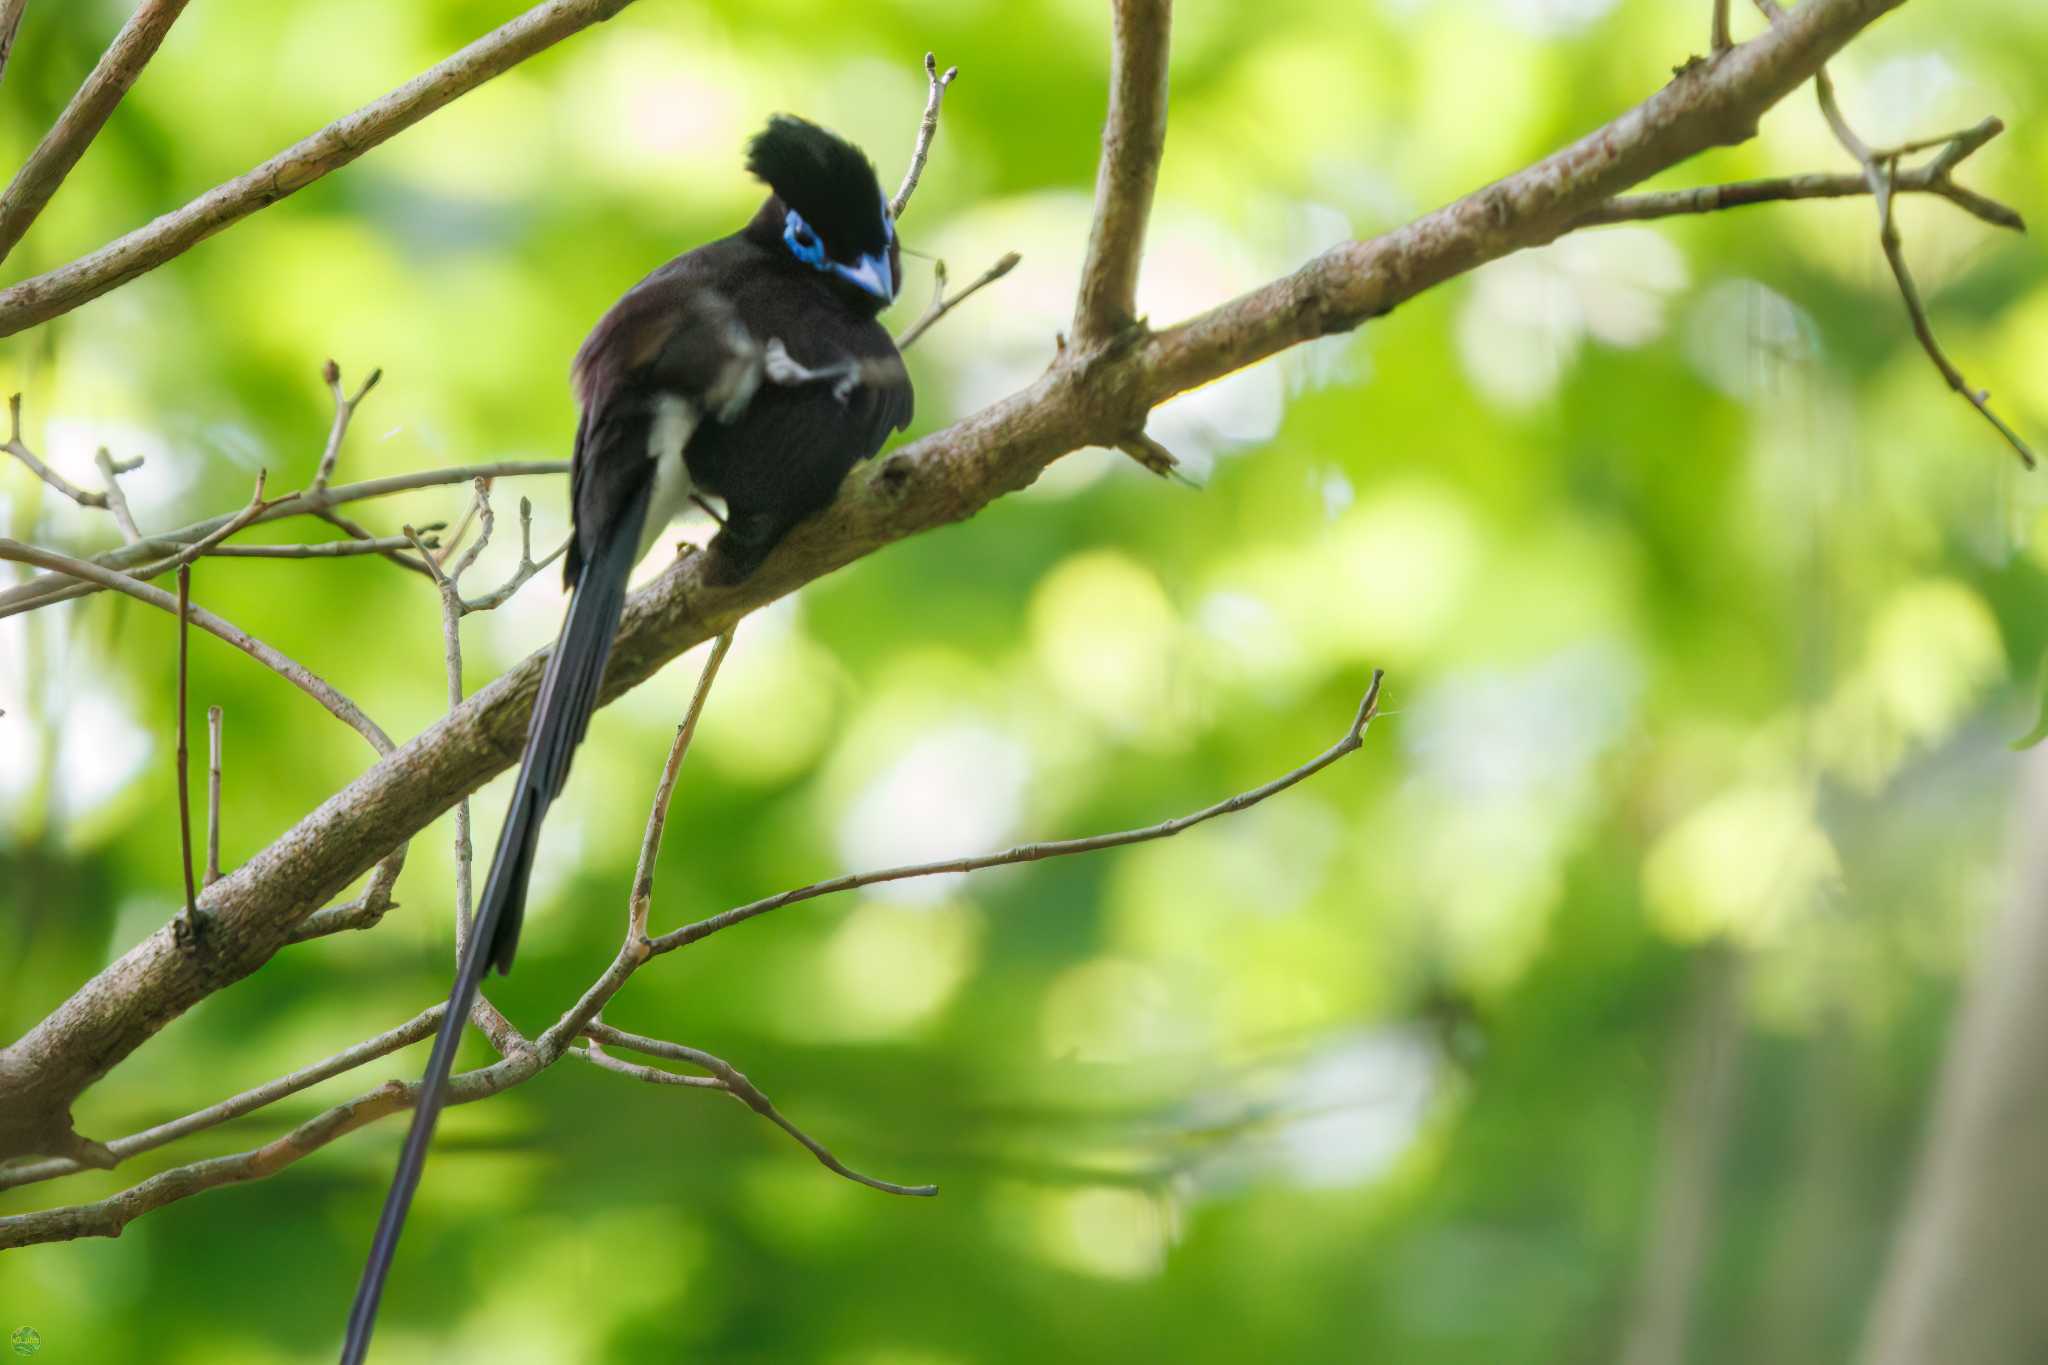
<point x="803" y="240"/>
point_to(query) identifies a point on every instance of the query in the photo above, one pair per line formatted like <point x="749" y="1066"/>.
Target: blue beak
<point x="870" y="273"/>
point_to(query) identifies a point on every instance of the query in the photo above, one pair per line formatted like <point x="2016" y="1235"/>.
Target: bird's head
<point x="828" y="210"/>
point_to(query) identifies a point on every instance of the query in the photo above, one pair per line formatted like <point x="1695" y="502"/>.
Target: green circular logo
<point x="26" y="1340"/>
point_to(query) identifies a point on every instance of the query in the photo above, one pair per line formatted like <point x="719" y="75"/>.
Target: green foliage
<point x="1707" y="614"/>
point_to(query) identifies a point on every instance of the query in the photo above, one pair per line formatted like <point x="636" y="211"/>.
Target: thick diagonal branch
<point x="83" y="118"/>
<point x="291" y="170"/>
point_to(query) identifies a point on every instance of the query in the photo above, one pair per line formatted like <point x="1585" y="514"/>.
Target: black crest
<point x="825" y="178"/>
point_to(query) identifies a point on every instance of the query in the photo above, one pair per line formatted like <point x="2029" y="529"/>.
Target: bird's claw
<point x="783" y="368"/>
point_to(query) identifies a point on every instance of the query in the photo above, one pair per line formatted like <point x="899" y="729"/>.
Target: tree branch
<point x="638" y="904"/>
<point x="1031" y="853"/>
<point x="411" y="1031"/>
<point x="927" y="129"/>
<point x="23" y="199"/>
<point x="1084" y="398"/>
<point x="943" y="303"/>
<point x="297" y="674"/>
<point x="117" y="501"/>
<point x="1133" y="138"/>
<point x="1880" y="172"/>
<point x="133" y="560"/>
<point x="213" y="758"/>
<point x="523" y="1060"/>
<point x="729" y="1079"/>
<point x="18" y="448"/>
<point x="106" y="1217"/>
<point x="190" y="923"/>
<point x="325" y="549"/>
<point x="59" y="291"/>
<point x="1931" y="178"/>
<point x="10" y="20"/>
<point x="345" y="405"/>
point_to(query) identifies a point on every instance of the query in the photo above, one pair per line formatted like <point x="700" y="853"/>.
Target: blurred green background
<point x="1708" y="614"/>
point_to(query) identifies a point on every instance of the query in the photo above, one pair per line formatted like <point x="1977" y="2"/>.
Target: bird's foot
<point x="783" y="368"/>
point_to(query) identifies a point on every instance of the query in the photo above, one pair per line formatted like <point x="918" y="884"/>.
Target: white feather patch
<point x="675" y="420"/>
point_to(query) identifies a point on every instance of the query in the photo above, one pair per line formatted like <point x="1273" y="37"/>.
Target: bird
<point x="751" y="369"/>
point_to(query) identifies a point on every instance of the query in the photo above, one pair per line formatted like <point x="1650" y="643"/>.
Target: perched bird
<point x="751" y="369"/>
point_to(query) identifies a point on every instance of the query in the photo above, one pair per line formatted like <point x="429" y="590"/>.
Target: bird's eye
<point x="803" y="240"/>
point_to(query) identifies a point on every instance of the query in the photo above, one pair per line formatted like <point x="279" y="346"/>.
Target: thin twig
<point x="1880" y="176"/>
<point x="362" y="533"/>
<point x="740" y="1088"/>
<point x="117" y="501"/>
<point x="213" y="756"/>
<point x="488" y="525"/>
<point x="451" y="652"/>
<point x="293" y="672"/>
<point x="657" y="816"/>
<point x="528" y="565"/>
<point x="83" y="118"/>
<point x="345" y="405"/>
<point x="106" y="1217"/>
<point x="455" y="537"/>
<point x="1133" y="139"/>
<point x="18" y="448"/>
<point x="485" y="1015"/>
<point x="184" y="758"/>
<point x="50" y="588"/>
<point x="1931" y="178"/>
<point x="340" y="918"/>
<point x="1029" y="853"/>
<point x="326" y="549"/>
<point x="1723" y="35"/>
<point x="59" y="291"/>
<point x="248" y="1102"/>
<point x="526" y="569"/>
<point x="943" y="304"/>
<point x="635" y="949"/>
<point x="1880" y="171"/>
<point x="927" y="128"/>
<point x="653" y="1075"/>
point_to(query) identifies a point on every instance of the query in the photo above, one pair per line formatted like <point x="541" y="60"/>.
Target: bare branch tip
<point x="1369" y="706"/>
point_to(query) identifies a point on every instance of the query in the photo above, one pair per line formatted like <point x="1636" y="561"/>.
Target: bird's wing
<point x="671" y="354"/>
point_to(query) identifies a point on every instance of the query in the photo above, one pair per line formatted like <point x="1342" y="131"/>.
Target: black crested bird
<point x="751" y="369"/>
